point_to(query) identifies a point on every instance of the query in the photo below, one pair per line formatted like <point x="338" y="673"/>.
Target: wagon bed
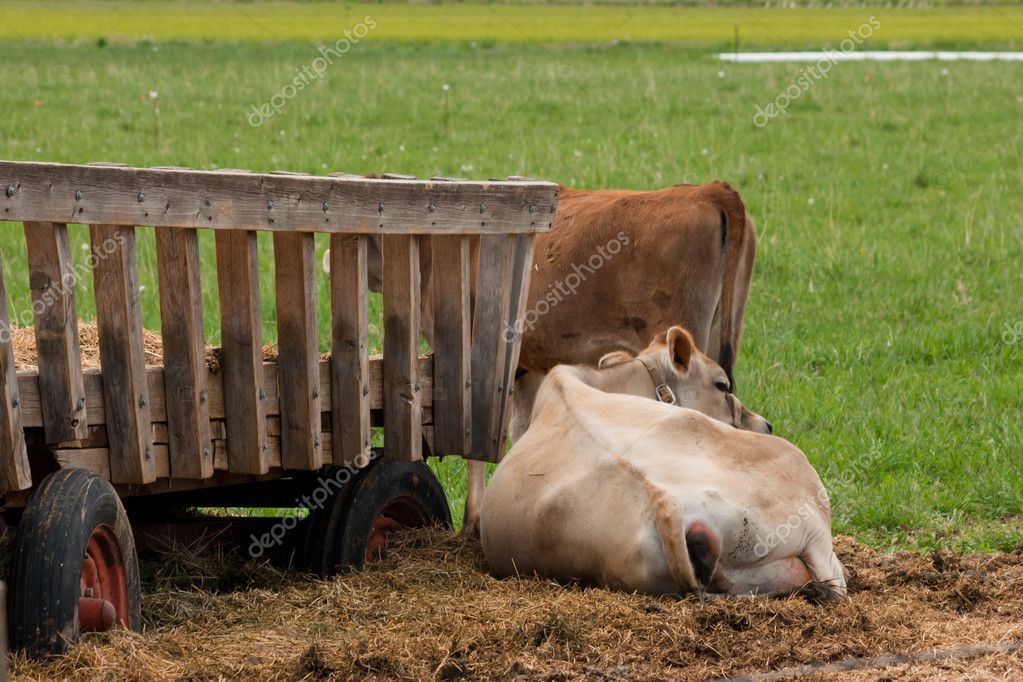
<point x="93" y="451"/>
<point x="181" y="425"/>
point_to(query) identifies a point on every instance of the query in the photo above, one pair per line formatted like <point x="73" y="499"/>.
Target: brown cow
<point x="617" y="267"/>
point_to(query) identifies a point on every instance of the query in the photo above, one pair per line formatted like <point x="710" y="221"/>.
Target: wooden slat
<point x="490" y="345"/>
<point x="241" y="339"/>
<point x="298" y="361"/>
<point x="14" y="468"/>
<point x="521" y="272"/>
<point x="349" y="367"/>
<point x="403" y="422"/>
<point x="31" y="414"/>
<point x="184" y="353"/>
<point x="452" y="345"/>
<point x="122" y="354"/>
<point x="52" y="280"/>
<point x="231" y="200"/>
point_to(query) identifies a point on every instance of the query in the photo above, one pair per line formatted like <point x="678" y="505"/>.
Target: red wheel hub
<point x="403" y="512"/>
<point x="103" y="601"/>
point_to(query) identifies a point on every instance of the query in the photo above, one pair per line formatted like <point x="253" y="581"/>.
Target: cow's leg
<point x="742" y="284"/>
<point x="474" y="489"/>
<point x="826" y="570"/>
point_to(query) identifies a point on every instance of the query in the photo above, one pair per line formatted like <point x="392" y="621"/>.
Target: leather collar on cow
<point x="662" y="391"/>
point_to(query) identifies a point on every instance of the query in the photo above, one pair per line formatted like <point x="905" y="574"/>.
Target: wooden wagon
<point x="77" y="446"/>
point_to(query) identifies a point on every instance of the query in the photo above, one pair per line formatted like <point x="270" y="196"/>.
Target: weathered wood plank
<point x="14" y="468"/>
<point x="241" y="338"/>
<point x="298" y="362"/>
<point x="452" y="345"/>
<point x="221" y="200"/>
<point x="122" y="354"/>
<point x="31" y="412"/>
<point x="52" y="279"/>
<point x="184" y="353"/>
<point x="97" y="460"/>
<point x="403" y="421"/>
<point x="490" y="341"/>
<point x="349" y="367"/>
<point x="521" y="272"/>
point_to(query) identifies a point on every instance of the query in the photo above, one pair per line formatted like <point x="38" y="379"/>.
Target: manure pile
<point x="430" y="611"/>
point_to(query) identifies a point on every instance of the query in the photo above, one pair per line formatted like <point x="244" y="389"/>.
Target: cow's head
<point x="686" y="377"/>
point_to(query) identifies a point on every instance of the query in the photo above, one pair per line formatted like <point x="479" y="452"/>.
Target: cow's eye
<point x="721" y="386"/>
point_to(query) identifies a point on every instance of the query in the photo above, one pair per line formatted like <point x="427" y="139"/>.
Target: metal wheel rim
<point x="103" y="599"/>
<point x="401" y="512"/>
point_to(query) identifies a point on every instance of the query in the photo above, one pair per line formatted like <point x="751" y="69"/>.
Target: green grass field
<point x="888" y="199"/>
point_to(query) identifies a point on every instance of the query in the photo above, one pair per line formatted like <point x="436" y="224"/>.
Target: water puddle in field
<point x="870" y="56"/>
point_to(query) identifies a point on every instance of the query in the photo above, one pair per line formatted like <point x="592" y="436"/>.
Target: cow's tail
<point x="734" y="233"/>
<point x="672" y="533"/>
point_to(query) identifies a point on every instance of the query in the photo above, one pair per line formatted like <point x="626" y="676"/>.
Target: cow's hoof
<point x="470" y="529"/>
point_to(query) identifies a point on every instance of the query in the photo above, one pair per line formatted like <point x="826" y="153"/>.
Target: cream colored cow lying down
<point x="635" y="494"/>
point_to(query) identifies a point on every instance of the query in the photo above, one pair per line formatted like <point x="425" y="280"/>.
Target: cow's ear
<point x="680" y="347"/>
<point x="614" y="359"/>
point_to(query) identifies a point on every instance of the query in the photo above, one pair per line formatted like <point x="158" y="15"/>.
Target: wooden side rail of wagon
<point x="155" y="429"/>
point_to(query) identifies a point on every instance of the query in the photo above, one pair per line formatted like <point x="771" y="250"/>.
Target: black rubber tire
<point x="45" y="582"/>
<point x="339" y="531"/>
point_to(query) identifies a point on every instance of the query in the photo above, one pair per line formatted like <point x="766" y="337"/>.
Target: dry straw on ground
<point x="430" y="611"/>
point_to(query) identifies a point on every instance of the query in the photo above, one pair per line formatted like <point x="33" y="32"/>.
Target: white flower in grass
<point x="809" y="202"/>
<point x="153" y="94"/>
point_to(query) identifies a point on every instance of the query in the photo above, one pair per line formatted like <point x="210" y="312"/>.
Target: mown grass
<point x="489" y="23"/>
<point x="888" y="203"/>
